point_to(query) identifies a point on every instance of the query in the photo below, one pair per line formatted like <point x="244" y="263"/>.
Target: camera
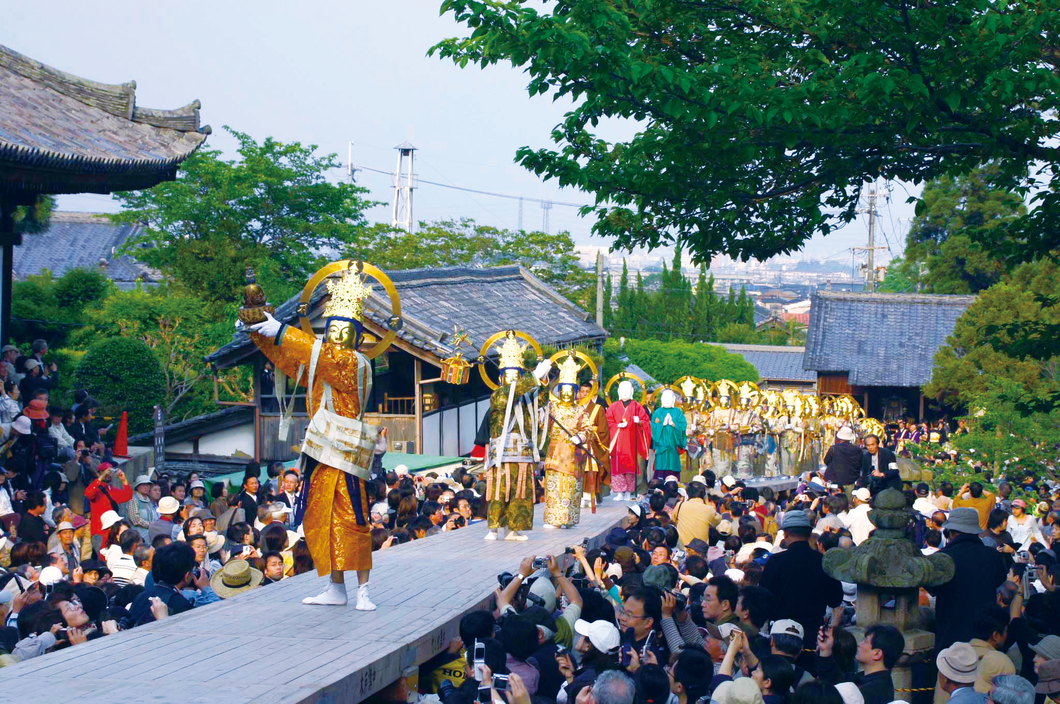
<point x="500" y="683"/>
<point x="504" y="579"/>
<point x="584" y="545"/>
<point x="680" y="600"/>
<point x="540" y="563"/>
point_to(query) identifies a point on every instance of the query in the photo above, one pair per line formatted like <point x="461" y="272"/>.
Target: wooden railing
<point x="399" y="406"/>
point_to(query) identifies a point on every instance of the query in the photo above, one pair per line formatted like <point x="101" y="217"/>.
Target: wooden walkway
<point x="265" y="646"/>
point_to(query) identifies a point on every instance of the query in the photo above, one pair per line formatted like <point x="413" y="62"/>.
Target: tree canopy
<point x="272" y="208"/>
<point x="759" y="123"/>
<point x="667" y="362"/>
<point x="944" y="251"/>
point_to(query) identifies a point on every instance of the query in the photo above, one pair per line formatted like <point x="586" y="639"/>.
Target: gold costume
<point x="336" y="528"/>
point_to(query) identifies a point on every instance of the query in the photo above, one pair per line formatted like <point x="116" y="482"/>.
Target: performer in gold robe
<point x="572" y="439"/>
<point x="336" y="453"/>
<point x="597" y="468"/>
<point x="512" y="454"/>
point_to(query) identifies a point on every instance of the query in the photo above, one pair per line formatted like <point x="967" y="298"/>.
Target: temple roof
<point x="60" y="133"/>
<point x="433" y="301"/>
<point x="880" y="339"/>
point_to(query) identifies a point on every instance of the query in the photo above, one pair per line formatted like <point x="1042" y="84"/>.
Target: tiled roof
<point x="880" y="339"/>
<point x="198" y="426"/>
<point x="479" y="301"/>
<point x="81" y="241"/>
<point x="57" y="128"/>
<point x="774" y="363"/>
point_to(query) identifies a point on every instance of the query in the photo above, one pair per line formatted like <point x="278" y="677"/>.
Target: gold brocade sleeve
<point x="337" y="365"/>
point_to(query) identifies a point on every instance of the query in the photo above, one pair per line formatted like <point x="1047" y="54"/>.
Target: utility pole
<point x="870" y="266"/>
<point x="871" y="286"/>
<point x="599" y="288"/>
<point x="351" y="170"/>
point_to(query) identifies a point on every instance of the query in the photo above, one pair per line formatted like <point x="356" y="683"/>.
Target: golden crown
<point x="348" y="293"/>
<point x="568" y="370"/>
<point x="511" y="353"/>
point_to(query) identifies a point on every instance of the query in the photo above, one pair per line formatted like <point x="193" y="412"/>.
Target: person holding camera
<point x="106" y="492"/>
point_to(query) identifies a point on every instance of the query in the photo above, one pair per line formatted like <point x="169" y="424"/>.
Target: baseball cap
<point x="636" y="510"/>
<point x="1021" y="503"/>
<point x="787" y="627"/>
<point x="728" y="481"/>
<point x="725" y="528"/>
<point x="863" y="494"/>
<point x="699" y="479"/>
<point x="603" y="635"/>
<point x="50" y="575"/>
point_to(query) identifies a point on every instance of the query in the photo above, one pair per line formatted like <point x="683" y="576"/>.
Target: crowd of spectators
<point x="715" y="592"/>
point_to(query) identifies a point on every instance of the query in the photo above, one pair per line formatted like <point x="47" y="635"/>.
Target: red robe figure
<point x="630" y="427"/>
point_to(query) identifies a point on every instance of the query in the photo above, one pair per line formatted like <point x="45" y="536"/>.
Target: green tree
<point x="551" y="257"/>
<point x="123" y="375"/>
<point x="945" y="250"/>
<point x="273" y="208"/>
<point x="1011" y="332"/>
<point x="736" y="333"/>
<point x="667" y="362"/>
<point x="80" y="288"/>
<point x="770" y="117"/>
<point x="34" y="219"/>
<point x="623" y="319"/>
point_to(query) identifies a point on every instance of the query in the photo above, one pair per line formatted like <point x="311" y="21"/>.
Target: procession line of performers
<point x="692" y="425"/>
<point x="679" y="431"/>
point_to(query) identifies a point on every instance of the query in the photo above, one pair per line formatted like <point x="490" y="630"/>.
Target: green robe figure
<point x="668" y="427"/>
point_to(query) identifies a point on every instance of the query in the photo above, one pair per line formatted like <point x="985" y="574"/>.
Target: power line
<point x="539" y="201"/>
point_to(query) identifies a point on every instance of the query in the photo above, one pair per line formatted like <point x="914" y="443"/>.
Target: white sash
<point x="345" y="443"/>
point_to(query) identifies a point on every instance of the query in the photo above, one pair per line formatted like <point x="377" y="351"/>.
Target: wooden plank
<point x="330" y="654"/>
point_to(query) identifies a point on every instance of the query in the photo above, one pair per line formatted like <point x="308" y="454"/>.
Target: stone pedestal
<point x="889" y="571"/>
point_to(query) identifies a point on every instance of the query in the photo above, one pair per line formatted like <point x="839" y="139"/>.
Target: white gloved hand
<point x="269" y="328"/>
<point x="636" y="419"/>
<point x="623" y="424"/>
<point x="542" y="369"/>
<point x="576" y="440"/>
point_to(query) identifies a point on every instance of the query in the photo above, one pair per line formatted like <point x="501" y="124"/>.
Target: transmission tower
<point x="546" y="205"/>
<point x="404" y="183"/>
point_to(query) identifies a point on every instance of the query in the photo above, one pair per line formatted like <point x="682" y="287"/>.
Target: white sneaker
<point x="333" y="595"/>
<point x="549" y="526"/>
<point x="363" y="602"/>
<point x="491" y="535"/>
<point x="516" y="535"/>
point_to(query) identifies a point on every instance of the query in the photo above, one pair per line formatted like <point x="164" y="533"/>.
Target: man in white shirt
<point x="923" y="504"/>
<point x="858" y="517"/>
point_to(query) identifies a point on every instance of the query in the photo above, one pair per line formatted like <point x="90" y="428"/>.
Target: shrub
<point x="79" y="287"/>
<point x="123" y="375"/>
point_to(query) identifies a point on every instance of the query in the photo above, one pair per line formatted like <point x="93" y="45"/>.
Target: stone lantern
<point x="889" y="571"/>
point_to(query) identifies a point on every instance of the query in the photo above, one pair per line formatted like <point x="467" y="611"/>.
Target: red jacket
<point x="100" y="504"/>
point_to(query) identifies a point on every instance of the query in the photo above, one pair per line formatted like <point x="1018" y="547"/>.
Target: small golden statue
<point x="254" y="304"/>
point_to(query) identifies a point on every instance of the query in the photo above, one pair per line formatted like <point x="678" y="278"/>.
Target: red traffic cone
<point x="121" y="443"/>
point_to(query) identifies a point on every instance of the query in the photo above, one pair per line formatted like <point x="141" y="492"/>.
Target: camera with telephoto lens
<point x="504" y="579"/>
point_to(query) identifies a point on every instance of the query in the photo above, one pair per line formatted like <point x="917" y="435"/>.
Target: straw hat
<point x="236" y="577"/>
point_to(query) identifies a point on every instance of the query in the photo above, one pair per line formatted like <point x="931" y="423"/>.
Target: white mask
<point x="625" y="390"/>
<point x="669" y="398"/>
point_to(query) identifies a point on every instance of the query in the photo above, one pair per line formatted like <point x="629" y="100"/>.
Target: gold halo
<point x="586" y="362"/>
<point x="626" y="375"/>
<point x="497" y="337"/>
<point x="395" y="301"/>
<point x="654" y="398"/>
<point x="724" y="387"/>
<point x="700" y="395"/>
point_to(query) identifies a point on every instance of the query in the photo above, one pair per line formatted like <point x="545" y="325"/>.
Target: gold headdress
<point x="348" y="293"/>
<point x="511" y="352"/>
<point x="568" y="370"/>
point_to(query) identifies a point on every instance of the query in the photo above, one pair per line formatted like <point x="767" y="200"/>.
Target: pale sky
<point x="326" y="73"/>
